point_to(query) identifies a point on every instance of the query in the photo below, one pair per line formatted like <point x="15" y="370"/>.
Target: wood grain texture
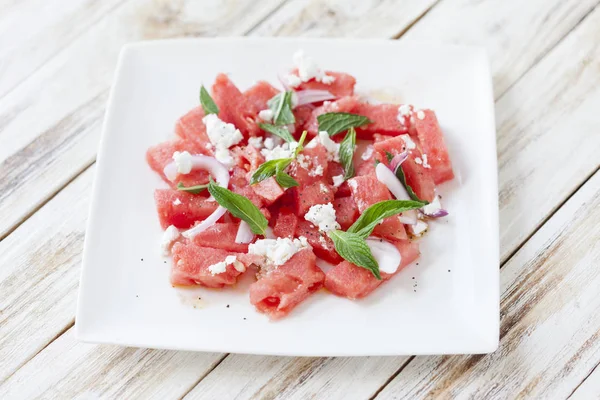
<point x="516" y="34"/>
<point x="335" y="18"/>
<point x="550" y="319"/>
<point x="80" y="75"/>
<point x="87" y="371"/>
<point x="590" y="388"/>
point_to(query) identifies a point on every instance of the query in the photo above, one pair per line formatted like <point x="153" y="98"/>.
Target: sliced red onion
<point x="386" y="254"/>
<point x="434" y="209"/>
<point x="200" y="161"/>
<point x="284" y="83"/>
<point x="388" y="178"/>
<point x="207" y="223"/>
<point x="303" y="97"/>
<point x="244" y="233"/>
<point x="398" y="160"/>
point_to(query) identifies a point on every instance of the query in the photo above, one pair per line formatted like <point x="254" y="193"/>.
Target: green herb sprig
<point x="336" y="122"/>
<point x="207" y="103"/>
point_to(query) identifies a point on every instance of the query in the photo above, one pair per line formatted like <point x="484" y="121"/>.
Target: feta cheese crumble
<point x="404" y="111"/>
<point x="322" y="215"/>
<point x="425" y="163"/>
<point x="418" y="160"/>
<point x="221" y="266"/>
<point x="277" y="251"/>
<point x="433" y="207"/>
<point x="368" y="153"/>
<point x="338" y="180"/>
<point x="266" y="115"/>
<point x="333" y="148"/>
<point x="285" y="150"/>
<point x="308" y="69"/>
<point x="176" y="202"/>
<point x="292" y="80"/>
<point x="410" y="144"/>
<point x="183" y="161"/>
<point x="222" y="135"/>
<point x="419" y="228"/>
<point x="256" y="142"/>
<point x="316" y="171"/>
<point x="170" y="235"/>
<point x="420" y="114"/>
<point x="303" y="161"/>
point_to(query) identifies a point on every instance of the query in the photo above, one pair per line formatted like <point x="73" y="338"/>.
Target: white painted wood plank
<point x="32" y="31"/>
<point x="57" y="111"/>
<point x="251" y="377"/>
<point x="590" y="388"/>
<point x="515" y="33"/>
<point x="68" y="369"/>
<point x="550" y="325"/>
<point x="350" y="18"/>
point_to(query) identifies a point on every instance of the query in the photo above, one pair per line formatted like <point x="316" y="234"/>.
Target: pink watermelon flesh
<point x="247" y="157"/>
<point x="315" y="193"/>
<point x="277" y="292"/>
<point x="268" y="190"/>
<point x="432" y="143"/>
<point x="221" y="236"/>
<point x="191" y="128"/>
<point x="191" y="262"/>
<point x="391" y="229"/>
<point x="286" y="223"/>
<point x="302" y="115"/>
<point x="346" y="212"/>
<point x="259" y="94"/>
<point x="314" y="158"/>
<point x="322" y="245"/>
<point x="343" y="85"/>
<point x="384" y="119"/>
<point x="159" y="156"/>
<point x="345" y="104"/>
<point x="353" y="282"/>
<point x="367" y="190"/>
<point x="182" y="209"/>
<point x="233" y="106"/>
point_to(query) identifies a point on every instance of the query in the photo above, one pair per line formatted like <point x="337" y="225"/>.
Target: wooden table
<point x="57" y="60"/>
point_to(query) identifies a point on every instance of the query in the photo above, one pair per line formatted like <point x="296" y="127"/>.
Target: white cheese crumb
<point x="420" y="114"/>
<point x="277" y="251"/>
<point x="418" y="160"/>
<point x="410" y="144"/>
<point x="317" y="171"/>
<point x="353" y="184"/>
<point x="419" y="228"/>
<point x="323" y="188"/>
<point x="313" y="143"/>
<point x="266" y="115"/>
<point x="183" y="161"/>
<point x="323" y="242"/>
<point x="292" y="80"/>
<point x="176" y="202"/>
<point x="169" y="236"/>
<point x="221" y="134"/>
<point x="221" y="266"/>
<point x="308" y="69"/>
<point x="303" y="161"/>
<point x="425" y="163"/>
<point x="256" y="142"/>
<point x="285" y="150"/>
<point x="322" y="215"/>
<point x="368" y="153"/>
<point x="404" y="111"/>
<point x="224" y="157"/>
<point x="333" y="148"/>
<point x="433" y="207"/>
<point x="338" y="180"/>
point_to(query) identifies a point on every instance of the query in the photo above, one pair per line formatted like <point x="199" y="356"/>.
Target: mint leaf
<point x="284" y="180"/>
<point x="191" y="189"/>
<point x="389" y="156"/>
<point x="280" y="131"/>
<point x="239" y="207"/>
<point x="207" y="102"/>
<point x="281" y="105"/>
<point x="347" y="153"/>
<point x="336" y="122"/>
<point x="411" y="193"/>
<point x="268" y="169"/>
<point x="376" y="213"/>
<point x="353" y="248"/>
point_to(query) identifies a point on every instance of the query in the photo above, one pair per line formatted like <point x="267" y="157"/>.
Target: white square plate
<point x="451" y="305"/>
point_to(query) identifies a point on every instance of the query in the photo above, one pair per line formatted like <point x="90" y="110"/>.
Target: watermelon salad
<point x="306" y="186"/>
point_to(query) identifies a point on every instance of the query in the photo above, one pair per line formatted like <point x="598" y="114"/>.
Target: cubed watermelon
<point x="345" y="104"/>
<point x="182" y="209"/>
<point x="259" y="94"/>
<point x="343" y="85"/>
<point x="384" y="119"/>
<point x="191" y="266"/>
<point x="391" y="229"/>
<point x="247" y="157"/>
<point x="315" y="193"/>
<point x="233" y="106"/>
<point x="310" y="166"/>
<point x="159" y="156"/>
<point x="322" y="245"/>
<point x="268" y="190"/>
<point x="433" y="145"/>
<point x="277" y="292"/>
<point x="348" y="280"/>
<point x="346" y="212"/>
<point x="367" y="190"/>
<point x="302" y="115"/>
<point x="191" y="128"/>
<point x="286" y="223"/>
<point x="221" y="236"/>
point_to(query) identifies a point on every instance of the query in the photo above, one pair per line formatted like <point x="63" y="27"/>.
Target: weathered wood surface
<point x="54" y="81"/>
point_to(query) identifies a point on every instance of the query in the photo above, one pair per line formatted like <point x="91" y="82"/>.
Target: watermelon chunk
<point x="233" y="106"/>
<point x="343" y="85"/>
<point x="221" y="236"/>
<point x="322" y="245"/>
<point x="346" y="212"/>
<point x="384" y="117"/>
<point x="315" y="193"/>
<point x="348" y="280"/>
<point x="286" y="223"/>
<point x="432" y="144"/>
<point x="159" y="156"/>
<point x="302" y="115"/>
<point x="391" y="229"/>
<point x="345" y="104"/>
<point x="268" y="190"/>
<point x="310" y="166"/>
<point x="277" y="292"/>
<point x="259" y="94"/>
<point x="247" y="157"/>
<point x="182" y="209"/>
<point x="367" y="190"/>
<point x="191" y="128"/>
<point x="191" y="266"/>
